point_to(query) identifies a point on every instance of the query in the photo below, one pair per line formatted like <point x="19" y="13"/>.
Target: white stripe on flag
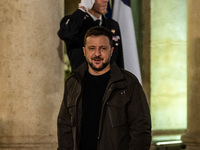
<point x="123" y="15"/>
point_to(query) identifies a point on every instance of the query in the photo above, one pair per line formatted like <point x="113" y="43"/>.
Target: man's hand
<point x="86" y="4"/>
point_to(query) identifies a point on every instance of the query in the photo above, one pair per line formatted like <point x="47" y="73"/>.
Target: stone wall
<point x="32" y="76"/>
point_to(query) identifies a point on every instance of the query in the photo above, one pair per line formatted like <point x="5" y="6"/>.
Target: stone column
<point x="192" y="136"/>
<point x="31" y="73"/>
<point x="146" y="35"/>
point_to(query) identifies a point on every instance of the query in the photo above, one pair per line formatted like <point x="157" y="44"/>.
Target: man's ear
<point x="84" y="50"/>
<point x="112" y="49"/>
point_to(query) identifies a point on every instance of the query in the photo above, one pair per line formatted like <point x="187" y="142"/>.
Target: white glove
<point x="88" y="4"/>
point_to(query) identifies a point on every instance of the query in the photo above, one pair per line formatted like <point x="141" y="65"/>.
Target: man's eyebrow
<point x="91" y="46"/>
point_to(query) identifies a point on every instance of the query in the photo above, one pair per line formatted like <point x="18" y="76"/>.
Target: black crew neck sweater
<point x="93" y="93"/>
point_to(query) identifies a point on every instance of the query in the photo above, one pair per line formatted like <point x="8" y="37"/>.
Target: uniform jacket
<point x="125" y="122"/>
<point x="72" y="30"/>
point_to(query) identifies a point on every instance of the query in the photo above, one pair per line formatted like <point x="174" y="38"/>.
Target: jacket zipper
<point x="103" y="110"/>
<point x="109" y="113"/>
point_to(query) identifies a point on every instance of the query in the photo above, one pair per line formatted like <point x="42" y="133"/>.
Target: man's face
<point x="100" y="6"/>
<point x="98" y="52"/>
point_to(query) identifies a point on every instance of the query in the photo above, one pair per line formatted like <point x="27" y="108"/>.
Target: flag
<point x="122" y="13"/>
<point x="109" y="11"/>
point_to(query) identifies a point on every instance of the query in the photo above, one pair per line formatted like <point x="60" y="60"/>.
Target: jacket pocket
<point x="117" y="112"/>
<point x="71" y="106"/>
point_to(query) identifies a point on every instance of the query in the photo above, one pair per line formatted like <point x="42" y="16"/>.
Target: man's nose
<point x="97" y="52"/>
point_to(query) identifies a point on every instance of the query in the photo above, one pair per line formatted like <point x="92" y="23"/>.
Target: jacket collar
<point x="115" y="72"/>
<point x="104" y="22"/>
<point x="79" y="72"/>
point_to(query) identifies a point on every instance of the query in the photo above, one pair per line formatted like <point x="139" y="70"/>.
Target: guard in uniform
<point x="73" y="28"/>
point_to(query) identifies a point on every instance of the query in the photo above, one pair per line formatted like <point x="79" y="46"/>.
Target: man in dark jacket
<point x="73" y="28"/>
<point x="104" y="107"/>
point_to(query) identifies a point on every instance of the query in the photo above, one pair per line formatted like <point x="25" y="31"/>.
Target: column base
<point x="192" y="141"/>
<point x="28" y="143"/>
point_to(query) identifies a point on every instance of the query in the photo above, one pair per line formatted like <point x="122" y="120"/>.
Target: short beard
<point x="100" y="68"/>
<point x="104" y="65"/>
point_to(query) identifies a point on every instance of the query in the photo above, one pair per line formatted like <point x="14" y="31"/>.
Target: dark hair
<point x="98" y="31"/>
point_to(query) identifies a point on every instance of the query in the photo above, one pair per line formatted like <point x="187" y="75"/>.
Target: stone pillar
<point x="146" y="35"/>
<point x="31" y="73"/>
<point x="192" y="136"/>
